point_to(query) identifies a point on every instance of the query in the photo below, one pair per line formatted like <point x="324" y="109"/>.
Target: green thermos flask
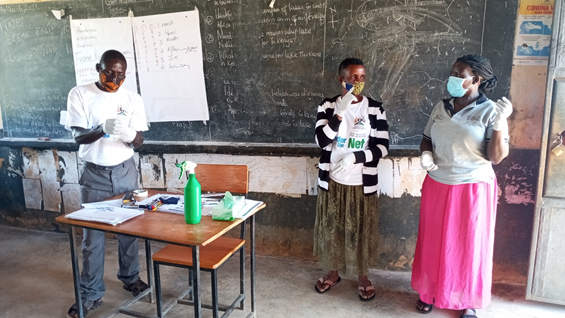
<point x="192" y="194"/>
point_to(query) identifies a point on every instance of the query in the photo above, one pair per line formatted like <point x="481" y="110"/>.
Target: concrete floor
<point x="36" y="281"/>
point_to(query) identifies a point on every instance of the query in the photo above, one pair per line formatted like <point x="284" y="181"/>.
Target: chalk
<point x="43" y="138"/>
<point x="272" y="4"/>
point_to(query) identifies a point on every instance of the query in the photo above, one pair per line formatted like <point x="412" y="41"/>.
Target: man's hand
<point x="109" y="126"/>
<point x="123" y="131"/>
<point x="343" y="105"/>
<point x="344" y="163"/>
<point x="427" y="161"/>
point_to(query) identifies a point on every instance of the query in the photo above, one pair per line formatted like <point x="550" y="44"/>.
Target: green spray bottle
<point x="192" y="194"/>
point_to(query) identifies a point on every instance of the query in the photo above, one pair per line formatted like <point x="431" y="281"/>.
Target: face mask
<point x="357" y="87"/>
<point x="455" y="86"/>
<point x="110" y="86"/>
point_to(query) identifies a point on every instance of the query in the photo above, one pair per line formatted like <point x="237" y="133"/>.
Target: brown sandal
<point x="365" y="290"/>
<point x="326" y="282"/>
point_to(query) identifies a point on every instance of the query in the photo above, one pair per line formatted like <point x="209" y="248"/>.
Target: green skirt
<point x="346" y="229"/>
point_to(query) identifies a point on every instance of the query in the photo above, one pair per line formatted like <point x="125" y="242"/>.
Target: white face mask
<point x="455" y="86"/>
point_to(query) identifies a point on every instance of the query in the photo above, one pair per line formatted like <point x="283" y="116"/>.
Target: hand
<point x="503" y="111"/>
<point x="124" y="132"/>
<point x="109" y="126"/>
<point x="345" y="102"/>
<point x="344" y="163"/>
<point x="427" y="161"/>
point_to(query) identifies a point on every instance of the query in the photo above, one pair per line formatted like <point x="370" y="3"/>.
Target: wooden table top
<point x="165" y="227"/>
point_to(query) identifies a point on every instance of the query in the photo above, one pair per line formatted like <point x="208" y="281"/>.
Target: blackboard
<point x="266" y="69"/>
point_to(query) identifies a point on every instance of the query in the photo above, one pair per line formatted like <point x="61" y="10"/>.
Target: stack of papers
<point x="105" y="214"/>
<point x="209" y="200"/>
<point x="110" y="203"/>
<point x="248" y="207"/>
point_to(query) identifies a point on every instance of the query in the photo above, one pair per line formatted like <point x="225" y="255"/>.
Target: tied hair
<point x="481" y="66"/>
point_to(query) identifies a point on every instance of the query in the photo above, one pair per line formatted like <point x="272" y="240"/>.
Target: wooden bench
<point x="212" y="178"/>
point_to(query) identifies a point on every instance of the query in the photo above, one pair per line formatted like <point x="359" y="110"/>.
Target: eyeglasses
<point x="110" y="73"/>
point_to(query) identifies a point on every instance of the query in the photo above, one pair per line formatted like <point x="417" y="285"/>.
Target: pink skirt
<point x="453" y="262"/>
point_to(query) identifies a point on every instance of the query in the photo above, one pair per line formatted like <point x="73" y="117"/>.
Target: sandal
<point x="421" y="305"/>
<point x="87" y="306"/>
<point x="365" y="290"/>
<point x="326" y="282"/>
<point x="470" y="316"/>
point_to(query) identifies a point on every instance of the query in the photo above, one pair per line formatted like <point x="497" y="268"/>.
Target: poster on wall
<point x="92" y="37"/>
<point x="533" y="32"/>
<point x="170" y="66"/>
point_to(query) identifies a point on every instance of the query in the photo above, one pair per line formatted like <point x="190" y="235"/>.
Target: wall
<point x="527" y="92"/>
<point x="39" y="182"/>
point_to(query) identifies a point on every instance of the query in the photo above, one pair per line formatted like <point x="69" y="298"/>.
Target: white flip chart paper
<point x="92" y="37"/>
<point x="170" y="67"/>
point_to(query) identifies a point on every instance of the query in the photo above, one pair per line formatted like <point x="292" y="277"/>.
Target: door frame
<point x="553" y="72"/>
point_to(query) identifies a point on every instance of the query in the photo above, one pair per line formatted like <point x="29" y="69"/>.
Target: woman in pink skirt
<point x="464" y="136"/>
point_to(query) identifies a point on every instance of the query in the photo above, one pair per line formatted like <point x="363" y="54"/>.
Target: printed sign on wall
<point x="533" y="32"/>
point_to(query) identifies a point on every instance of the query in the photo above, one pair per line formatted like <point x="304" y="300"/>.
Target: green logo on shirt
<point x="355" y="144"/>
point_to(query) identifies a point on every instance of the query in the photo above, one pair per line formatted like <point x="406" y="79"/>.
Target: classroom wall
<point x="38" y="183"/>
<point x="527" y="91"/>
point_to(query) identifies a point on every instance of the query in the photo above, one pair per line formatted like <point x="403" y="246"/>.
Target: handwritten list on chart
<point x="92" y="37"/>
<point x="170" y="67"/>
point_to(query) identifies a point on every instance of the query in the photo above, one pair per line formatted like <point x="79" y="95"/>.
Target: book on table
<point x="108" y="214"/>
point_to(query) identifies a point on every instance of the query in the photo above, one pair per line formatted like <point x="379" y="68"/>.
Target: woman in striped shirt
<point x="352" y="131"/>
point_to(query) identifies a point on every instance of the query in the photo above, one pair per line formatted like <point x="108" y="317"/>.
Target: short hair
<point x="349" y="61"/>
<point x="112" y="55"/>
<point x="481" y="66"/>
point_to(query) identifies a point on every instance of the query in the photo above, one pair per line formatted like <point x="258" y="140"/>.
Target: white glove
<point x="123" y="131"/>
<point x="109" y="126"/>
<point x="503" y="111"/>
<point x="345" y="102"/>
<point x="427" y="161"/>
<point x="344" y="163"/>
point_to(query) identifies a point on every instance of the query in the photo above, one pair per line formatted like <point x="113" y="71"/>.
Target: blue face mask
<point x="455" y="86"/>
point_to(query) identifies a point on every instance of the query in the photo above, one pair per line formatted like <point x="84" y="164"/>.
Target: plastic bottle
<point x="192" y="194"/>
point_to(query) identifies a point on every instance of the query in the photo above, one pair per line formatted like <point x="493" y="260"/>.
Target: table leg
<point x="242" y="267"/>
<point x="158" y="298"/>
<point x="252" y="265"/>
<point x="196" y="283"/>
<point x="76" y="274"/>
<point x="149" y="269"/>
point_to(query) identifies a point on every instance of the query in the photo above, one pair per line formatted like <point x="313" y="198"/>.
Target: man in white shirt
<point x="107" y="122"/>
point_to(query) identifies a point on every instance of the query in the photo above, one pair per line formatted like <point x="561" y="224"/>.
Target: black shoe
<point x="87" y="305"/>
<point x="136" y="287"/>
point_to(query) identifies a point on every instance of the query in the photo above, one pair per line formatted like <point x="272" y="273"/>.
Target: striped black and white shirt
<point x="327" y="127"/>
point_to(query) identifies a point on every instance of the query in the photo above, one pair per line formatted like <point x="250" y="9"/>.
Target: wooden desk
<point x="167" y="228"/>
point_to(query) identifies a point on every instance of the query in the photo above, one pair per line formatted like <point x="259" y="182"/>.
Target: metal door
<point x="546" y="277"/>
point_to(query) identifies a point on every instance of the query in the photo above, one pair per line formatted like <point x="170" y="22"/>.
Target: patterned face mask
<point x="110" y="86"/>
<point x="358" y="87"/>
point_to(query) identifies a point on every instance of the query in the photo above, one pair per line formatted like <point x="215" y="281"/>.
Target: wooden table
<point x="167" y="228"/>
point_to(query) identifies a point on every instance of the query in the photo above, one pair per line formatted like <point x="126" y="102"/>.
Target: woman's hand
<point x="503" y="111"/>
<point x="344" y="163"/>
<point x="427" y="161"/>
